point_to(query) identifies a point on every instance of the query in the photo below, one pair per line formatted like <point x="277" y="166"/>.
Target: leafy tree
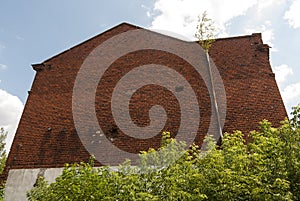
<point x="265" y="168"/>
<point x="3" y="156"/>
<point x="206" y="31"/>
<point x="3" y="135"/>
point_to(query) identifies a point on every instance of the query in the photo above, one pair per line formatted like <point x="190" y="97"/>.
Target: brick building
<point x="46" y="138"/>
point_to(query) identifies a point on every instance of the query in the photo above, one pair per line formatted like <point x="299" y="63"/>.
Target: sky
<point x="32" y="31"/>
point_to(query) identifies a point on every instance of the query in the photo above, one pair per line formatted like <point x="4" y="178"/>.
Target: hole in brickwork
<point x="179" y="88"/>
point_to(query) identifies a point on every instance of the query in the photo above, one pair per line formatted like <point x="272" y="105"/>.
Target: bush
<point x="264" y="168"/>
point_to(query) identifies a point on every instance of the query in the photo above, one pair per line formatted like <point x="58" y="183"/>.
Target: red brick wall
<point x="46" y="136"/>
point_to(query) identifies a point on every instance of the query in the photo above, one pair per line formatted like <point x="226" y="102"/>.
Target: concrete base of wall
<point x="19" y="181"/>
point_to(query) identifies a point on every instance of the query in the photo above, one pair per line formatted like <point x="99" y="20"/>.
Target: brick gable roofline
<point x="257" y="38"/>
<point x="40" y="66"/>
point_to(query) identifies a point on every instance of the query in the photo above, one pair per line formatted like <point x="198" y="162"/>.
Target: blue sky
<point x="32" y="31"/>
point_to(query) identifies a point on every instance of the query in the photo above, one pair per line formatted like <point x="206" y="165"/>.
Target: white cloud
<point x="181" y="16"/>
<point x="11" y="109"/>
<point x="293" y="14"/>
<point x="267" y="33"/>
<point x="3" y="66"/>
<point x="148" y="12"/>
<point x="262" y="4"/>
<point x="18" y="37"/>
<point x="281" y="73"/>
<point x="291" y="94"/>
<point x="268" y="37"/>
<point x="2" y="47"/>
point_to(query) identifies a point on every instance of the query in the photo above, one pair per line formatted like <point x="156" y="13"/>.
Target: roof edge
<point x="93" y="37"/>
<point x="40" y="66"/>
<point x="256" y="35"/>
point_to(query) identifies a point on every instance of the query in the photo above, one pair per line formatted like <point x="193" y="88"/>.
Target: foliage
<point x="267" y="167"/>
<point x="3" y="135"/>
<point x="205" y="31"/>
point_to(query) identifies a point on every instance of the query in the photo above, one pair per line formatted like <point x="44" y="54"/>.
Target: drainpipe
<point x="215" y="103"/>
